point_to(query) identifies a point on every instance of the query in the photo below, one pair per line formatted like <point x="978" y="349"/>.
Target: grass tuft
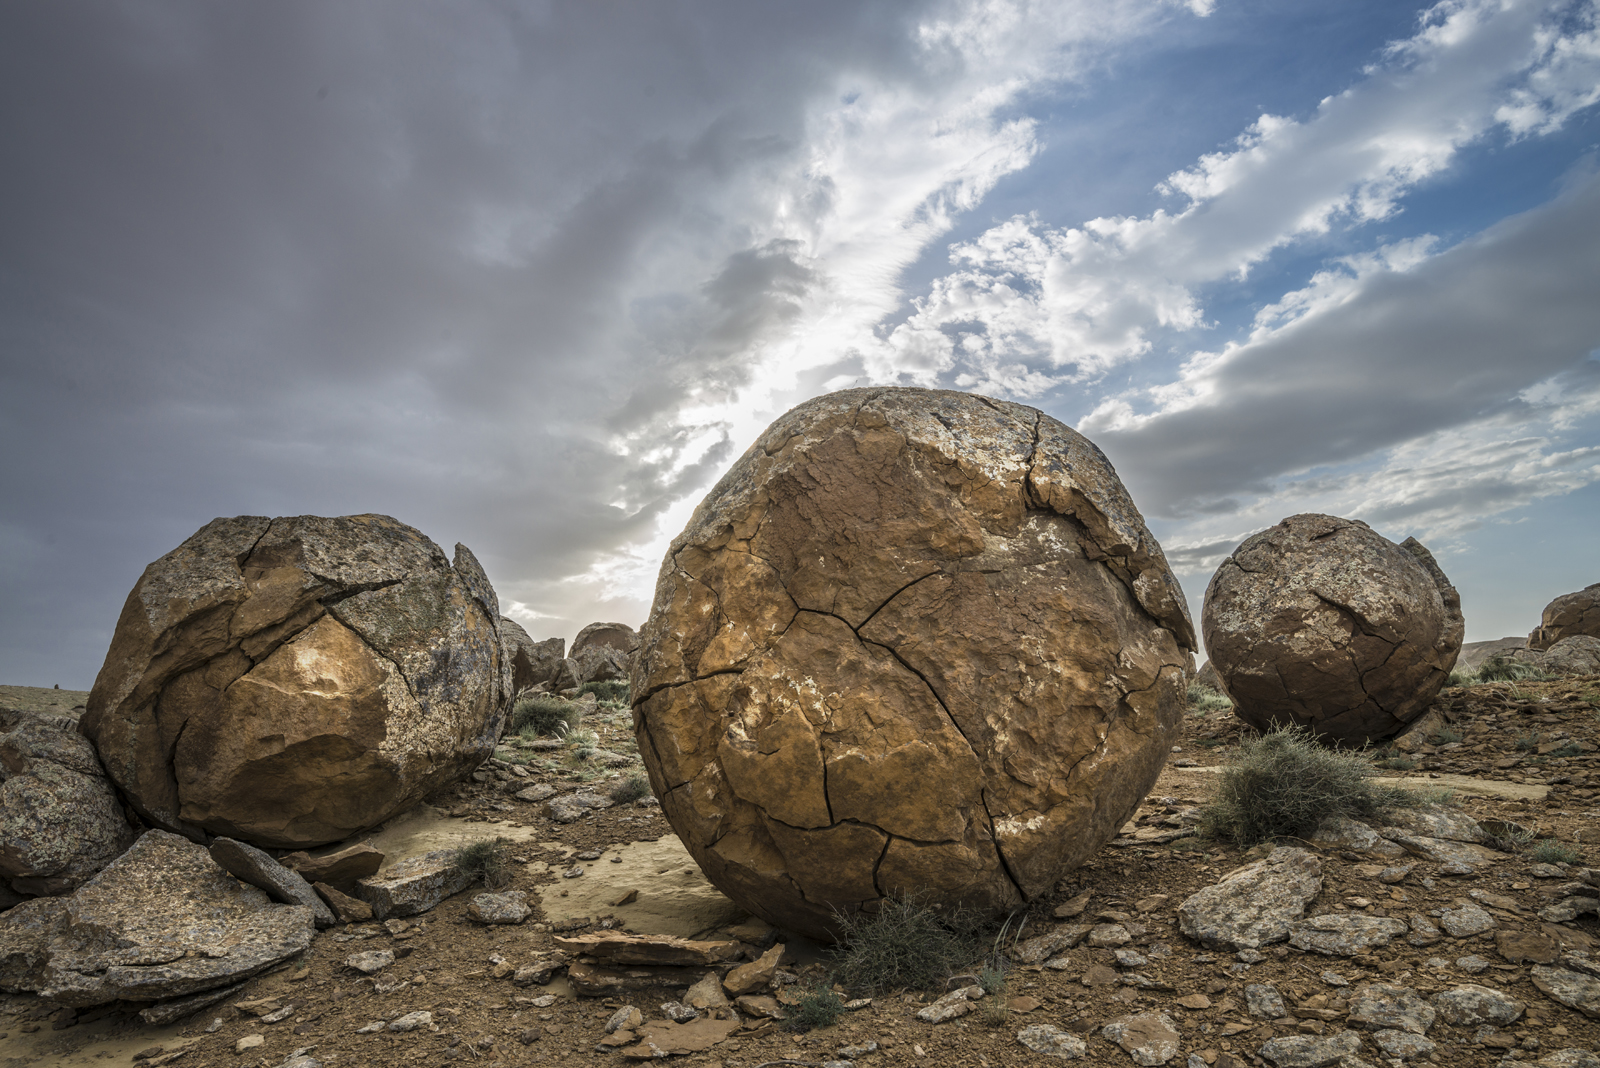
<point x="630" y="787"/>
<point x="487" y="861"/>
<point x="1526" y="743"/>
<point x="1462" y="678"/>
<point x="1551" y="851"/>
<point x="1284" y="783"/>
<point x="545" y="716"/>
<point x="817" y="1007"/>
<point x="1446" y="735"/>
<point x="904" y="945"/>
<point x="1502" y="669"/>
<point x="1204" y="699"/>
<point x="610" y="692"/>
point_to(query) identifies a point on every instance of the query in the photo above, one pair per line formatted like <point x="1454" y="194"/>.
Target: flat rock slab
<point x="614" y="947"/>
<point x="510" y="907"/>
<point x="1311" y="1051"/>
<point x="1345" y="936"/>
<point x="1470" y="1005"/>
<point x="1053" y="1042"/>
<point x="1255" y="905"/>
<point x="593" y="981"/>
<point x="413" y="885"/>
<point x="1386" y="1006"/>
<point x="256" y="867"/>
<point x="1572" y="989"/>
<point x="340" y="868"/>
<point x="161" y="921"/>
<point x="674" y="896"/>
<point x="1149" y="1038"/>
<point x="666" y="1039"/>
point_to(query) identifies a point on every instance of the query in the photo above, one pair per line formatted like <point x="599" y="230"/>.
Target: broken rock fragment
<point x="1255" y="905"/>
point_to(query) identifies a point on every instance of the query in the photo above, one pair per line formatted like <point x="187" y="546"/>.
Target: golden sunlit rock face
<point x="914" y="642"/>
<point x="293" y="681"/>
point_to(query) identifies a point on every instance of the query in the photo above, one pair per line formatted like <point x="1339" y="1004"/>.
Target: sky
<point x="530" y="276"/>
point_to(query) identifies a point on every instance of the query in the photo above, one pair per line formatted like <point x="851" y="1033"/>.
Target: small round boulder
<point x="291" y="682"/>
<point x="1322" y="622"/>
<point x="1569" y="616"/>
<point x="914" y="643"/>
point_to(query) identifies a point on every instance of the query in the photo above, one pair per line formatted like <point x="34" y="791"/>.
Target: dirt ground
<point x="1535" y="739"/>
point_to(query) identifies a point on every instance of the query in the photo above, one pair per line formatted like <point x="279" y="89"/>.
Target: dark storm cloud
<point x="1449" y="343"/>
<point x="425" y="260"/>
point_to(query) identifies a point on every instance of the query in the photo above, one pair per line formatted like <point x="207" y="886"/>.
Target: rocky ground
<point x="1524" y="754"/>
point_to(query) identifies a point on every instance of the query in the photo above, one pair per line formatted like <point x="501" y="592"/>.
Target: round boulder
<point x="915" y="642"/>
<point x="1321" y="622"/>
<point x="531" y="662"/>
<point x="291" y="682"/>
<point x="1568" y="616"/>
<point x="602" y="651"/>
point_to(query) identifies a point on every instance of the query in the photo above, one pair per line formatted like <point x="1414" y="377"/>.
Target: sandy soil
<point x="448" y="960"/>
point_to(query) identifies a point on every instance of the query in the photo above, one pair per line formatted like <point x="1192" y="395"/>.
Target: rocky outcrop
<point x="60" y="820"/>
<point x="531" y="662"/>
<point x="290" y="682"/>
<point x="1575" y="655"/>
<point x="1567" y="616"/>
<point x="604" y="651"/>
<point x="1321" y="622"/>
<point x="161" y="921"/>
<point x="913" y="641"/>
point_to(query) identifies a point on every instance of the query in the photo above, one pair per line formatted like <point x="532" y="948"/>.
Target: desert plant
<point x="905" y="944"/>
<point x="611" y="691"/>
<point x="545" y="716"/>
<point x="1504" y="669"/>
<point x="1446" y="735"/>
<point x="487" y="861"/>
<point x="817" y="1007"/>
<point x="1567" y="749"/>
<point x="1205" y="699"/>
<point x="630" y="787"/>
<point x="1527" y="742"/>
<point x="1285" y="783"/>
<point x="1462" y="678"/>
<point x="581" y="743"/>
<point x="1397" y="763"/>
<point x="1551" y="851"/>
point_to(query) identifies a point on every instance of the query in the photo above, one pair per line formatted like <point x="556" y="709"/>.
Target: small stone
<point x="1470" y="1004"/>
<point x="371" y="1029"/>
<point x="1127" y="958"/>
<point x="536" y="973"/>
<point x="573" y="872"/>
<point x="540" y="792"/>
<point x="1572" y="989"/>
<point x="214" y="1026"/>
<point x="1472" y="964"/>
<point x="1052" y="1042"/>
<point x="1546" y="871"/>
<point x="1466" y="921"/>
<point x="1149" y="1038"/>
<point x="1403" y="1045"/>
<point x="1251" y="956"/>
<point x="952" y="1006"/>
<point x="248" y="1042"/>
<point x="1385" y="1005"/>
<point x="370" y="962"/>
<point x="1107" y="935"/>
<point x="1255" y="905"/>
<point x="1070" y="909"/>
<point x="852" y="1052"/>
<point x="1311" y="1051"/>
<point x="510" y="907"/>
<point x="1423" y="932"/>
<point x="1395" y="874"/>
<point x="1263" y="1000"/>
<point x="1333" y="978"/>
<point x="1195" y="1001"/>
<point x="411" y="1021"/>
<point x="1344" y="935"/>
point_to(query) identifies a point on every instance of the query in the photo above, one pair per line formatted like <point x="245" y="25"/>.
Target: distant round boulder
<point x="290" y="682"/>
<point x="603" y="651"/>
<point x="1322" y="622"/>
<point x="531" y="662"/>
<point x="1568" y="616"/>
<point x="914" y="643"/>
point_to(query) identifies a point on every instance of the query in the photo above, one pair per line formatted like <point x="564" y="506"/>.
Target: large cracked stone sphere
<point x="1324" y="623"/>
<point x="291" y="682"/>
<point x="915" y="642"/>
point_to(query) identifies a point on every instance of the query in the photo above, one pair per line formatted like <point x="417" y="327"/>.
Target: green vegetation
<point x="1567" y="749"/>
<point x="610" y="692"/>
<point x="1551" y="851"/>
<point x="904" y="945"/>
<point x="818" y="1007"/>
<point x="1504" y="669"/>
<point x="1462" y="678"/>
<point x="487" y="861"/>
<point x="1397" y="762"/>
<point x="544" y="716"/>
<point x="1446" y="735"/>
<point x="1204" y="699"/>
<point x="630" y="787"/>
<point x="581" y="743"/>
<point x="1284" y="783"/>
<point x="1527" y="742"/>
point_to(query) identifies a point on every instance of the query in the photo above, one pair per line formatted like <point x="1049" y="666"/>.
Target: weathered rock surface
<point x="1387" y="1006"/>
<point x="339" y="869"/>
<point x="531" y="662"/>
<point x="345" y="909"/>
<point x="1470" y="1005"/>
<point x="1321" y="622"/>
<point x="1311" y="1051"/>
<point x="1149" y="1038"/>
<point x="1345" y="935"/>
<point x="249" y="864"/>
<point x="1255" y="905"/>
<point x="413" y="885"/>
<point x="914" y="641"/>
<point x="1578" y="654"/>
<point x="289" y="682"/>
<point x="1569" y="615"/>
<point x="1573" y="989"/>
<point x="1053" y="1042"/>
<point x="604" y="651"/>
<point x="510" y="907"/>
<point x="161" y="921"/>
<point x="60" y="820"/>
<point x="615" y="947"/>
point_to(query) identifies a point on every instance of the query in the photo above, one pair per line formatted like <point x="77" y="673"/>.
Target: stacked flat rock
<point x="1568" y="616"/>
<point x="1321" y="622"/>
<point x="291" y="682"/>
<point x="914" y="641"/>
